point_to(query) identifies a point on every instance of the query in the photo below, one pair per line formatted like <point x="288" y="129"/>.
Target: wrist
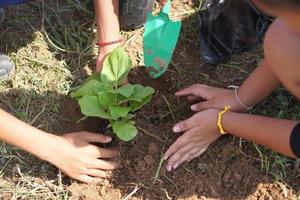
<point x="108" y="48"/>
<point x="47" y="145"/>
<point x="220" y="115"/>
<point x="239" y="104"/>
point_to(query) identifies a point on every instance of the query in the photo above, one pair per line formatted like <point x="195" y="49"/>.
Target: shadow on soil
<point x="225" y="171"/>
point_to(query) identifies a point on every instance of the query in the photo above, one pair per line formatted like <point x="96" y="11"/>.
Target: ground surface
<point x="52" y="44"/>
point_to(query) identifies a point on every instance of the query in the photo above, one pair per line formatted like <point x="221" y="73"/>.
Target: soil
<point x="228" y="170"/>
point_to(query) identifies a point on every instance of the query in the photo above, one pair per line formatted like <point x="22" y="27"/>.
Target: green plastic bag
<point x="160" y="39"/>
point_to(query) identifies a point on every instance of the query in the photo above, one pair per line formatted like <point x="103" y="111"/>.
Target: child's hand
<point x="204" y="97"/>
<point x="103" y="52"/>
<point x="102" y="55"/>
<point x="77" y="158"/>
<point x="199" y="132"/>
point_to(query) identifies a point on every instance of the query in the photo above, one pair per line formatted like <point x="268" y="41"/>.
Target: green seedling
<point x="104" y="95"/>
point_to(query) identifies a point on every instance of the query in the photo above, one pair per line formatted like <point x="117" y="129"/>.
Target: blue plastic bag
<point x="5" y="3"/>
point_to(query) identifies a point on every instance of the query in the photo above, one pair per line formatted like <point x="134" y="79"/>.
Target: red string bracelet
<point x="102" y="44"/>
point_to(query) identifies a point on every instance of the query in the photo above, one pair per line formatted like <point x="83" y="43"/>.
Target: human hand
<point x="77" y="158"/>
<point x="204" y="97"/>
<point x="103" y="52"/>
<point x="102" y="55"/>
<point x="199" y="132"/>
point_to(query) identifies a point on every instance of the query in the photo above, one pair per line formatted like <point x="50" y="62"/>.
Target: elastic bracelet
<point x="238" y="98"/>
<point x="102" y="44"/>
<point x="220" y="116"/>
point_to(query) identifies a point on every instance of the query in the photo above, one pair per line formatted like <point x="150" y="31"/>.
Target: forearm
<point x="258" y="85"/>
<point x="107" y="18"/>
<point x="270" y="132"/>
<point x="18" y="133"/>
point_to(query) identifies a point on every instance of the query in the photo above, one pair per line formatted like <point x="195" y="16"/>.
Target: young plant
<point x="104" y="95"/>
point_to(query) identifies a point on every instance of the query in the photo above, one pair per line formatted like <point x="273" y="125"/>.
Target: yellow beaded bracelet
<point x="220" y="115"/>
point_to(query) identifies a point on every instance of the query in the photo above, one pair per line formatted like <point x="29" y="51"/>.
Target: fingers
<point x="178" y="144"/>
<point x="197" y="154"/>
<point x="193" y="99"/>
<point x="87" y="179"/>
<point x="196" y="90"/>
<point x="97" y="173"/>
<point x="187" y="124"/>
<point x="202" y="106"/>
<point x="173" y="148"/>
<point x="105" y="153"/>
<point x="94" y="137"/>
<point x="105" y="165"/>
<point x="186" y="156"/>
<point x="182" y="155"/>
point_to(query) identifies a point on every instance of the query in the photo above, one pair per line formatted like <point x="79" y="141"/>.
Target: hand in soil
<point x="77" y="158"/>
<point x="199" y="132"/>
<point x="204" y="97"/>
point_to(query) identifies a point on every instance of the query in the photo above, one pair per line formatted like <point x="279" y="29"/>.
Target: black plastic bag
<point x="133" y="13"/>
<point x="229" y="26"/>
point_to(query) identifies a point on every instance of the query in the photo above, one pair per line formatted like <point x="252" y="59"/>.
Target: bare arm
<point x="72" y="153"/>
<point x="261" y="82"/>
<point x="201" y="130"/>
<point x="270" y="132"/>
<point x="257" y="86"/>
<point x="18" y="133"/>
<point x="107" y="18"/>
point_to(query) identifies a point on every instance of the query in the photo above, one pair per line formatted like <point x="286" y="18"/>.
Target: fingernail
<point x="108" y="139"/>
<point x="166" y="157"/>
<point x="175" y="166"/>
<point x="176" y="129"/>
<point x="194" y="107"/>
<point x="169" y="168"/>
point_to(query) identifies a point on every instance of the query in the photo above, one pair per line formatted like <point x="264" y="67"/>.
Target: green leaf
<point x="128" y="117"/>
<point x="106" y="99"/>
<point x="87" y="89"/>
<point x="118" y="111"/>
<point x="126" y="131"/>
<point x="102" y="88"/>
<point x="126" y="90"/>
<point x="91" y="107"/>
<point x="136" y="105"/>
<point x="94" y="76"/>
<point x="141" y="92"/>
<point x="116" y="67"/>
